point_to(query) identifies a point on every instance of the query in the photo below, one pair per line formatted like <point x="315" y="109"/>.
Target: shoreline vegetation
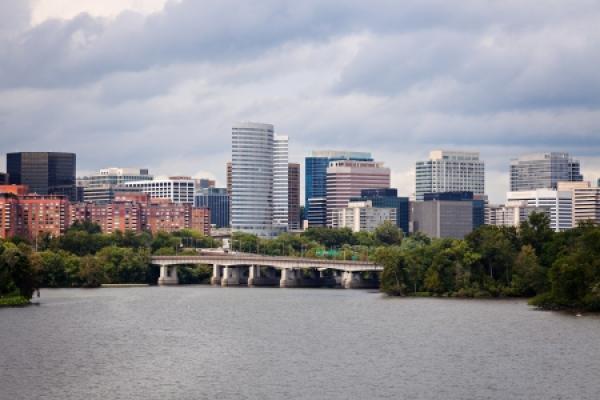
<point x="555" y="270"/>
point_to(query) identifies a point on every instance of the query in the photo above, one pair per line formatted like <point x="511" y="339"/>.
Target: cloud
<point x="162" y="89"/>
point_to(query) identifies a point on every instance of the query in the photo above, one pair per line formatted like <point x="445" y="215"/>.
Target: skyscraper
<point x="101" y="187"/>
<point x="450" y="171"/>
<point x="315" y="181"/>
<point x="252" y="178"/>
<point x="543" y="171"/>
<point x="347" y="178"/>
<point x="558" y="203"/>
<point x="386" y="198"/>
<point x="44" y="172"/>
<point x="280" y="181"/>
<point x="294" y="196"/>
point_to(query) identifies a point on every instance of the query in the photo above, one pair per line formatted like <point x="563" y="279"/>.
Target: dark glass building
<point x="3" y="178"/>
<point x="218" y="201"/>
<point x="388" y="198"/>
<point x="44" y="172"/>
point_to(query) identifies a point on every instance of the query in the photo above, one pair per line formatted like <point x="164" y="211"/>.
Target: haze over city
<point x="158" y="84"/>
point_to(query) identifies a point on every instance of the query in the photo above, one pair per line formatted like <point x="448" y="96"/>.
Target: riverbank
<point x="14" y="301"/>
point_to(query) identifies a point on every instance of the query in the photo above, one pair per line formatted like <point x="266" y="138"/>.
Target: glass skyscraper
<point x="44" y="172"/>
<point x="543" y="171"/>
<point x="217" y="200"/>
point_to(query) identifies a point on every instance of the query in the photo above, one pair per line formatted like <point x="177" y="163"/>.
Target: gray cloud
<point x="398" y="79"/>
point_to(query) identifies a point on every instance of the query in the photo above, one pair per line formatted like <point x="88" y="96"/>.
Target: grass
<point x="14" y="301"/>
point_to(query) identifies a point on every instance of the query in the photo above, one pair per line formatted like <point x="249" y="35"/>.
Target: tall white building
<point x="512" y="213"/>
<point x="280" y="181"/>
<point x="450" y="171"/>
<point x="252" y="178"/>
<point x="558" y="203"/>
<point x="176" y="189"/>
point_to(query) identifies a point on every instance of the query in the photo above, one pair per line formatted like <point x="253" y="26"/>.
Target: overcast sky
<point x="158" y="84"/>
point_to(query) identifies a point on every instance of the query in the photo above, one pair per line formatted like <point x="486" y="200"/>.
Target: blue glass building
<point x="218" y="201"/>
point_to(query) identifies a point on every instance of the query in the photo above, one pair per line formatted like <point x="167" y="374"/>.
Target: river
<point x="198" y="342"/>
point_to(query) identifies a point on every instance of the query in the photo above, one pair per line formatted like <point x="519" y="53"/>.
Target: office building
<point x="586" y="201"/>
<point x="513" y="213"/>
<point x="102" y="187"/>
<point x="361" y="216"/>
<point x="315" y="181"/>
<point x="347" y="178"/>
<point x="442" y="218"/>
<point x="229" y="177"/>
<point x="280" y="181"/>
<point x="204" y="183"/>
<point x="558" y="203"/>
<point x="4" y="178"/>
<point x="294" y="196"/>
<point x="543" y="171"/>
<point x="252" y="179"/>
<point x="478" y="203"/>
<point x="388" y="198"/>
<point x="450" y="171"/>
<point x="178" y="189"/>
<point x="45" y="173"/>
<point x="217" y="200"/>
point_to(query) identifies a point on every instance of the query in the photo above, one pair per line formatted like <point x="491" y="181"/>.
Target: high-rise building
<point x="388" y="198"/>
<point x="204" y="183"/>
<point x="347" y="178"/>
<point x="315" y="181"/>
<point x="178" y="189"/>
<point x="280" y="181"/>
<point x="3" y="178"/>
<point x="218" y="201"/>
<point x="101" y="187"/>
<point x="252" y="178"/>
<point x="44" y="172"/>
<point x="450" y="171"/>
<point x="512" y="213"/>
<point x="442" y="218"/>
<point x="478" y="203"/>
<point x="293" y="196"/>
<point x="558" y="203"/>
<point x="586" y="201"/>
<point x="361" y="216"/>
<point x="543" y="171"/>
<point x="229" y="177"/>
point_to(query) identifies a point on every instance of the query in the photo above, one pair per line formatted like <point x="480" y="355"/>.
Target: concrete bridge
<point x="233" y="269"/>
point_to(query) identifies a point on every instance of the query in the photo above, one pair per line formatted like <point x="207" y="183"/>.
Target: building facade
<point x="513" y="213"/>
<point x="45" y="173"/>
<point x="102" y="187"/>
<point x="361" y="216"/>
<point x="280" y="181"/>
<point x="315" y="181"/>
<point x="558" y="203"/>
<point x="347" y="178"/>
<point x="294" y="196"/>
<point x="543" y="171"/>
<point x="586" y="201"/>
<point x="217" y="200"/>
<point x="176" y="189"/>
<point x="478" y="203"/>
<point x="388" y="198"/>
<point x="442" y="219"/>
<point x="252" y="178"/>
<point x="450" y="171"/>
<point x="4" y="178"/>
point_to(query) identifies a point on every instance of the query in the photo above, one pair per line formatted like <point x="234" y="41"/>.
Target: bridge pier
<point x="288" y="278"/>
<point x="352" y="280"/>
<point x="231" y="276"/>
<point x="215" y="280"/>
<point x="168" y="275"/>
<point x="253" y="275"/>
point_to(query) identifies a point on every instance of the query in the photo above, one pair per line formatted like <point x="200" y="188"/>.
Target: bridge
<point x="234" y="269"/>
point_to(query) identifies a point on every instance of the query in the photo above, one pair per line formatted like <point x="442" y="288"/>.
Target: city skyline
<point x="171" y="107"/>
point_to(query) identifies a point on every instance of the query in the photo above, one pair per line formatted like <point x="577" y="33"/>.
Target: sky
<point x="158" y="84"/>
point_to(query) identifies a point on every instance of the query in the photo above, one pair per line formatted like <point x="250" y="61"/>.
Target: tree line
<point x="556" y="269"/>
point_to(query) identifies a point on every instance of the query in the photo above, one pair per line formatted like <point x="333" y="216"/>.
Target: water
<point x="237" y="343"/>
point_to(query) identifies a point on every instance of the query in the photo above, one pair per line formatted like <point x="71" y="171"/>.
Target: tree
<point x="393" y="280"/>
<point x="528" y="276"/>
<point x="388" y="234"/>
<point x="15" y="264"/>
<point x="91" y="273"/>
<point x="536" y="232"/>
